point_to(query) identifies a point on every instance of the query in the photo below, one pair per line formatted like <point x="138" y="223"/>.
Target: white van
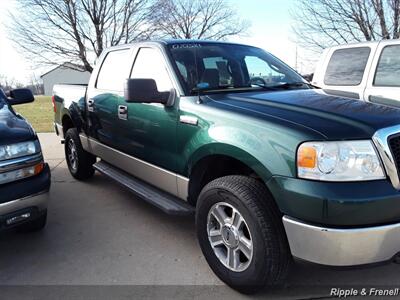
<point x="366" y="71"/>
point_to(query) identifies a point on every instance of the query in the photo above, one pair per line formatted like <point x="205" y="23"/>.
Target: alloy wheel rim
<point x="72" y="155"/>
<point x="229" y="237"/>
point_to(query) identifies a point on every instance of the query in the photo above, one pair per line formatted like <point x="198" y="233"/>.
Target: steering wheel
<point x="257" y="81"/>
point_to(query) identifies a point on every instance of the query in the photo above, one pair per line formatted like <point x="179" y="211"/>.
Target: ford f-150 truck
<point x="24" y="177"/>
<point x="272" y="167"/>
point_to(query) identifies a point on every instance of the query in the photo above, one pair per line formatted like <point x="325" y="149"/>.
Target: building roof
<point x="71" y="66"/>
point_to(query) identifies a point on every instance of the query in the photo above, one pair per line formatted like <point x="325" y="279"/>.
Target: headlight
<point x="18" y="150"/>
<point x="339" y="161"/>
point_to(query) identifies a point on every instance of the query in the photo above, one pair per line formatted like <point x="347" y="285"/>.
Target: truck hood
<point x="333" y="117"/>
<point x="13" y="128"/>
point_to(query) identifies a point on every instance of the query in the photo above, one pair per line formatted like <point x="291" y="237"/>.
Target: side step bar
<point x="164" y="201"/>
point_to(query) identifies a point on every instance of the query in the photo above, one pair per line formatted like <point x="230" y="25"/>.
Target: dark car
<point x="24" y="176"/>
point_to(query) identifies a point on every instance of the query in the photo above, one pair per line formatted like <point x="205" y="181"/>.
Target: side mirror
<point x="145" y="91"/>
<point x="20" y="96"/>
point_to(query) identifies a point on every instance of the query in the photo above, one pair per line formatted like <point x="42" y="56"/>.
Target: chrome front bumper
<point x="38" y="201"/>
<point x="342" y="247"/>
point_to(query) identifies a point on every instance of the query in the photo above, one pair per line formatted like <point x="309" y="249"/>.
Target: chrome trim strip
<point x="20" y="162"/>
<point x="380" y="139"/>
<point x="342" y="247"/>
<point x="168" y="181"/>
<point x="39" y="200"/>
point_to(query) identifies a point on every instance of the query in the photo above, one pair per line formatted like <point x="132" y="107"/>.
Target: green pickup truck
<point x="272" y="167"/>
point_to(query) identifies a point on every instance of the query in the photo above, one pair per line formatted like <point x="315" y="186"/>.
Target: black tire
<point x="34" y="225"/>
<point x="271" y="256"/>
<point x="81" y="166"/>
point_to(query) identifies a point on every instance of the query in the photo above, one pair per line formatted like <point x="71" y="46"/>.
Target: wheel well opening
<point x="213" y="167"/>
<point x="67" y="124"/>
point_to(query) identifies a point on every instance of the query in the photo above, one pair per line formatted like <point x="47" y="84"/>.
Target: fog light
<point x="18" y="219"/>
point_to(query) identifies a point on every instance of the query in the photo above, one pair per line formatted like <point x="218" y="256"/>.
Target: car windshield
<point x="228" y="67"/>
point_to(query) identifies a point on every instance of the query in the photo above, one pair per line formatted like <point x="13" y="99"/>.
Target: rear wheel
<point x="80" y="163"/>
<point x="241" y="234"/>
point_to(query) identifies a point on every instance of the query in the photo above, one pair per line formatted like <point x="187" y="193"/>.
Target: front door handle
<point x="122" y="112"/>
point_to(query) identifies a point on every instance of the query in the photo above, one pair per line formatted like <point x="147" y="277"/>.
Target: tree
<point x="7" y="83"/>
<point x="35" y="85"/>
<point x="323" y="23"/>
<point x="197" y="19"/>
<point x="76" y="31"/>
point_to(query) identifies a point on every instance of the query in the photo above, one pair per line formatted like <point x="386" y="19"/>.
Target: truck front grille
<point x="387" y="142"/>
<point x="394" y="144"/>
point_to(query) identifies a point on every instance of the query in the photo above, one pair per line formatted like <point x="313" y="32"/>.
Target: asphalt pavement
<point x="101" y="240"/>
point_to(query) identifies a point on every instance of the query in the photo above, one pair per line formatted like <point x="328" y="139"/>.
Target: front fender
<point x="229" y="151"/>
<point x="266" y="153"/>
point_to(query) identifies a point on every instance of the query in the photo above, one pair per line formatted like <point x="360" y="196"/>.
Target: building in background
<point x="64" y="74"/>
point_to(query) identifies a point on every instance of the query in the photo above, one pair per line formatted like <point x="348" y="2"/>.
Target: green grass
<point x="39" y="113"/>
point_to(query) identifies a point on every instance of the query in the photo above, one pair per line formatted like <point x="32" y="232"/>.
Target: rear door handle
<point x="122" y="112"/>
<point x="90" y="104"/>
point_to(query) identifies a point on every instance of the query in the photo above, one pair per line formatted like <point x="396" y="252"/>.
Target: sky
<point x="271" y="29"/>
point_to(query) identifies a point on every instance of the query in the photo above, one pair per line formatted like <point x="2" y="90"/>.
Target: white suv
<point x="366" y="71"/>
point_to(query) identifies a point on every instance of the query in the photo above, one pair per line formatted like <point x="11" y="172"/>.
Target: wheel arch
<point x="71" y="118"/>
<point x="218" y="160"/>
<point x="67" y="123"/>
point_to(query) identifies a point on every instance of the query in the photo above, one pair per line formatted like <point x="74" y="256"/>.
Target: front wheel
<point x="241" y="234"/>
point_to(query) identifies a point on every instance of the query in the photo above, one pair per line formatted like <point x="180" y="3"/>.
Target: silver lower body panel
<point x="59" y="130"/>
<point x="40" y="201"/>
<point x="167" y="181"/>
<point x="342" y="247"/>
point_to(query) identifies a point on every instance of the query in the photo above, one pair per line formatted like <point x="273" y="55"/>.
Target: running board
<point x="164" y="201"/>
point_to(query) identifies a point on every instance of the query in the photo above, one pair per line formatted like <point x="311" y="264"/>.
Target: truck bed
<point x="70" y="92"/>
<point x="65" y="96"/>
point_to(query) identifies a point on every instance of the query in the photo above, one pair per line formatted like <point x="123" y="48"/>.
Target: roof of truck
<point x="366" y="44"/>
<point x="176" y="41"/>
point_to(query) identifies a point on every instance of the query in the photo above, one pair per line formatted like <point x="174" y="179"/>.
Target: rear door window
<point x="347" y="66"/>
<point x="114" y="70"/>
<point x="388" y="69"/>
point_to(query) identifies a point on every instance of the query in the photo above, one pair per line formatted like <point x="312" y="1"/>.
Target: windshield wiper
<point x="288" y="85"/>
<point x="198" y="90"/>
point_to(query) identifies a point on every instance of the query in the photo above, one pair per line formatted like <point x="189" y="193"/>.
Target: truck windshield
<point x="215" y="67"/>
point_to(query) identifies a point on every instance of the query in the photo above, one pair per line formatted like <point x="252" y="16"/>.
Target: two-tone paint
<point x="261" y="129"/>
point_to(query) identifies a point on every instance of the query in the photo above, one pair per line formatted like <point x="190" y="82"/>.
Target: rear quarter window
<point x="347" y="66"/>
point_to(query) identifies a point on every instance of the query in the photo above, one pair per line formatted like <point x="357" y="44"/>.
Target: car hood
<point x="13" y="128"/>
<point x="333" y="117"/>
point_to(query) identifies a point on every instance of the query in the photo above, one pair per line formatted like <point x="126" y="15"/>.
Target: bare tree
<point x="7" y="83"/>
<point x="35" y="85"/>
<point x="197" y="19"/>
<point x="323" y="23"/>
<point x="76" y="31"/>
